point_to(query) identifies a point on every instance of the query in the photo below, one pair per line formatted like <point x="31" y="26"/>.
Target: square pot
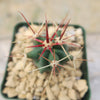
<point x="84" y="66"/>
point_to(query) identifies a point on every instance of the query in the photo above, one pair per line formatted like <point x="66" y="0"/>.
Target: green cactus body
<point x="59" y="54"/>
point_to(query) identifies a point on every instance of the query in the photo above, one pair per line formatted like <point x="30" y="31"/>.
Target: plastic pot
<point x="84" y="66"/>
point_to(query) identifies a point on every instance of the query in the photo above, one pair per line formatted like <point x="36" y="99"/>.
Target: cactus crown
<point x="48" y="51"/>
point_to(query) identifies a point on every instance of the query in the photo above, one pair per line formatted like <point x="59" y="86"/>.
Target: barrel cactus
<point x="47" y="49"/>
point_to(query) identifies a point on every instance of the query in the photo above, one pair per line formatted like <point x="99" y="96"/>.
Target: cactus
<point x="44" y="47"/>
